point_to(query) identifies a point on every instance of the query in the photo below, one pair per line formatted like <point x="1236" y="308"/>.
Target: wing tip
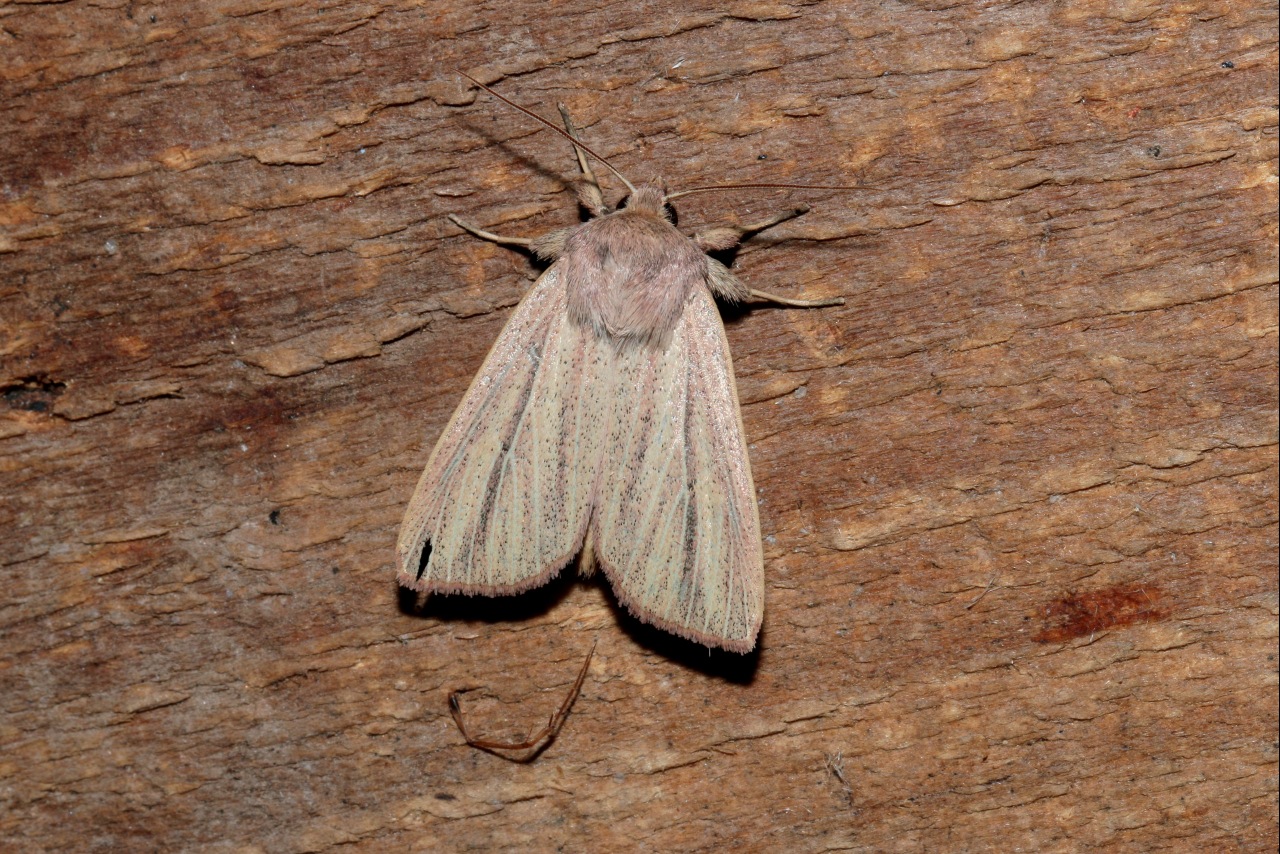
<point x="741" y="645"/>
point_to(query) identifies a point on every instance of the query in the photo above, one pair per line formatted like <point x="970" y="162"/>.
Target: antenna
<point x="673" y="196"/>
<point x="531" y="114"/>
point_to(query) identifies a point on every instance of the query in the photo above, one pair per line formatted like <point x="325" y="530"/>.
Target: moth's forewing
<point x="676" y="526"/>
<point x="502" y="504"/>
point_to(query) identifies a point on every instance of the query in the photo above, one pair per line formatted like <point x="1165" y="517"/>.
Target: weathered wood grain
<point x="1019" y="494"/>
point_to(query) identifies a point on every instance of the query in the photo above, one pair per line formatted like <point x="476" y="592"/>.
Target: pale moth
<point x="605" y="423"/>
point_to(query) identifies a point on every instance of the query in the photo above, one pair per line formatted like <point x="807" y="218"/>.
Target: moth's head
<point x="648" y="200"/>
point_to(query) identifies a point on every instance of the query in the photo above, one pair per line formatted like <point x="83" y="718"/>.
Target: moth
<point x="604" y="423"/>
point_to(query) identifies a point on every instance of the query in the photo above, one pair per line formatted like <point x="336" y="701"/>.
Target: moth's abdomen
<point x="629" y="275"/>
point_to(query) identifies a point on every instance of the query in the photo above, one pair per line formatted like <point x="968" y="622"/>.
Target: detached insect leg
<point x="534" y="743"/>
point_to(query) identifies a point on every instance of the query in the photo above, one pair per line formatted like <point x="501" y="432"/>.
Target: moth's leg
<point x="729" y="236"/>
<point x="523" y="242"/>
<point x="588" y="188"/>
<point x="722" y="281"/>
<point x="549" y="246"/>
<point x="765" y="296"/>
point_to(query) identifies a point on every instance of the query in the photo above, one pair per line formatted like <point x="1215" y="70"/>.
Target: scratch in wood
<point x="835" y="764"/>
<point x="984" y="592"/>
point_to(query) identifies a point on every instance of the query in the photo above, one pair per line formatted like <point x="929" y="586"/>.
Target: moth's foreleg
<point x="728" y="236"/>
<point x="549" y="246"/>
<point x="522" y="242"/>
<point x="587" y="188"/>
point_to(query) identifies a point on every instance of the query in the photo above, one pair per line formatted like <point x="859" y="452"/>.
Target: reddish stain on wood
<point x="1087" y="613"/>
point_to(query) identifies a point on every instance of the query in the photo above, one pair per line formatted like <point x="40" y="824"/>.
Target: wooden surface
<point x="1018" y="495"/>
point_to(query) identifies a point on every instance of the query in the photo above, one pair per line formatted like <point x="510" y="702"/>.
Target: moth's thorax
<point x="629" y="273"/>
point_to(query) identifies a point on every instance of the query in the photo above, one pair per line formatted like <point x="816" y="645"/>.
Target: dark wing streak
<point x="447" y="483"/>
<point x="639" y="362"/>
<point x="484" y="511"/>
<point x="692" y="542"/>
<point x="509" y="532"/>
<point x="591" y="367"/>
<point x="536" y="487"/>
<point x="658" y="526"/>
<point x="709" y="423"/>
<point x="491" y="392"/>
